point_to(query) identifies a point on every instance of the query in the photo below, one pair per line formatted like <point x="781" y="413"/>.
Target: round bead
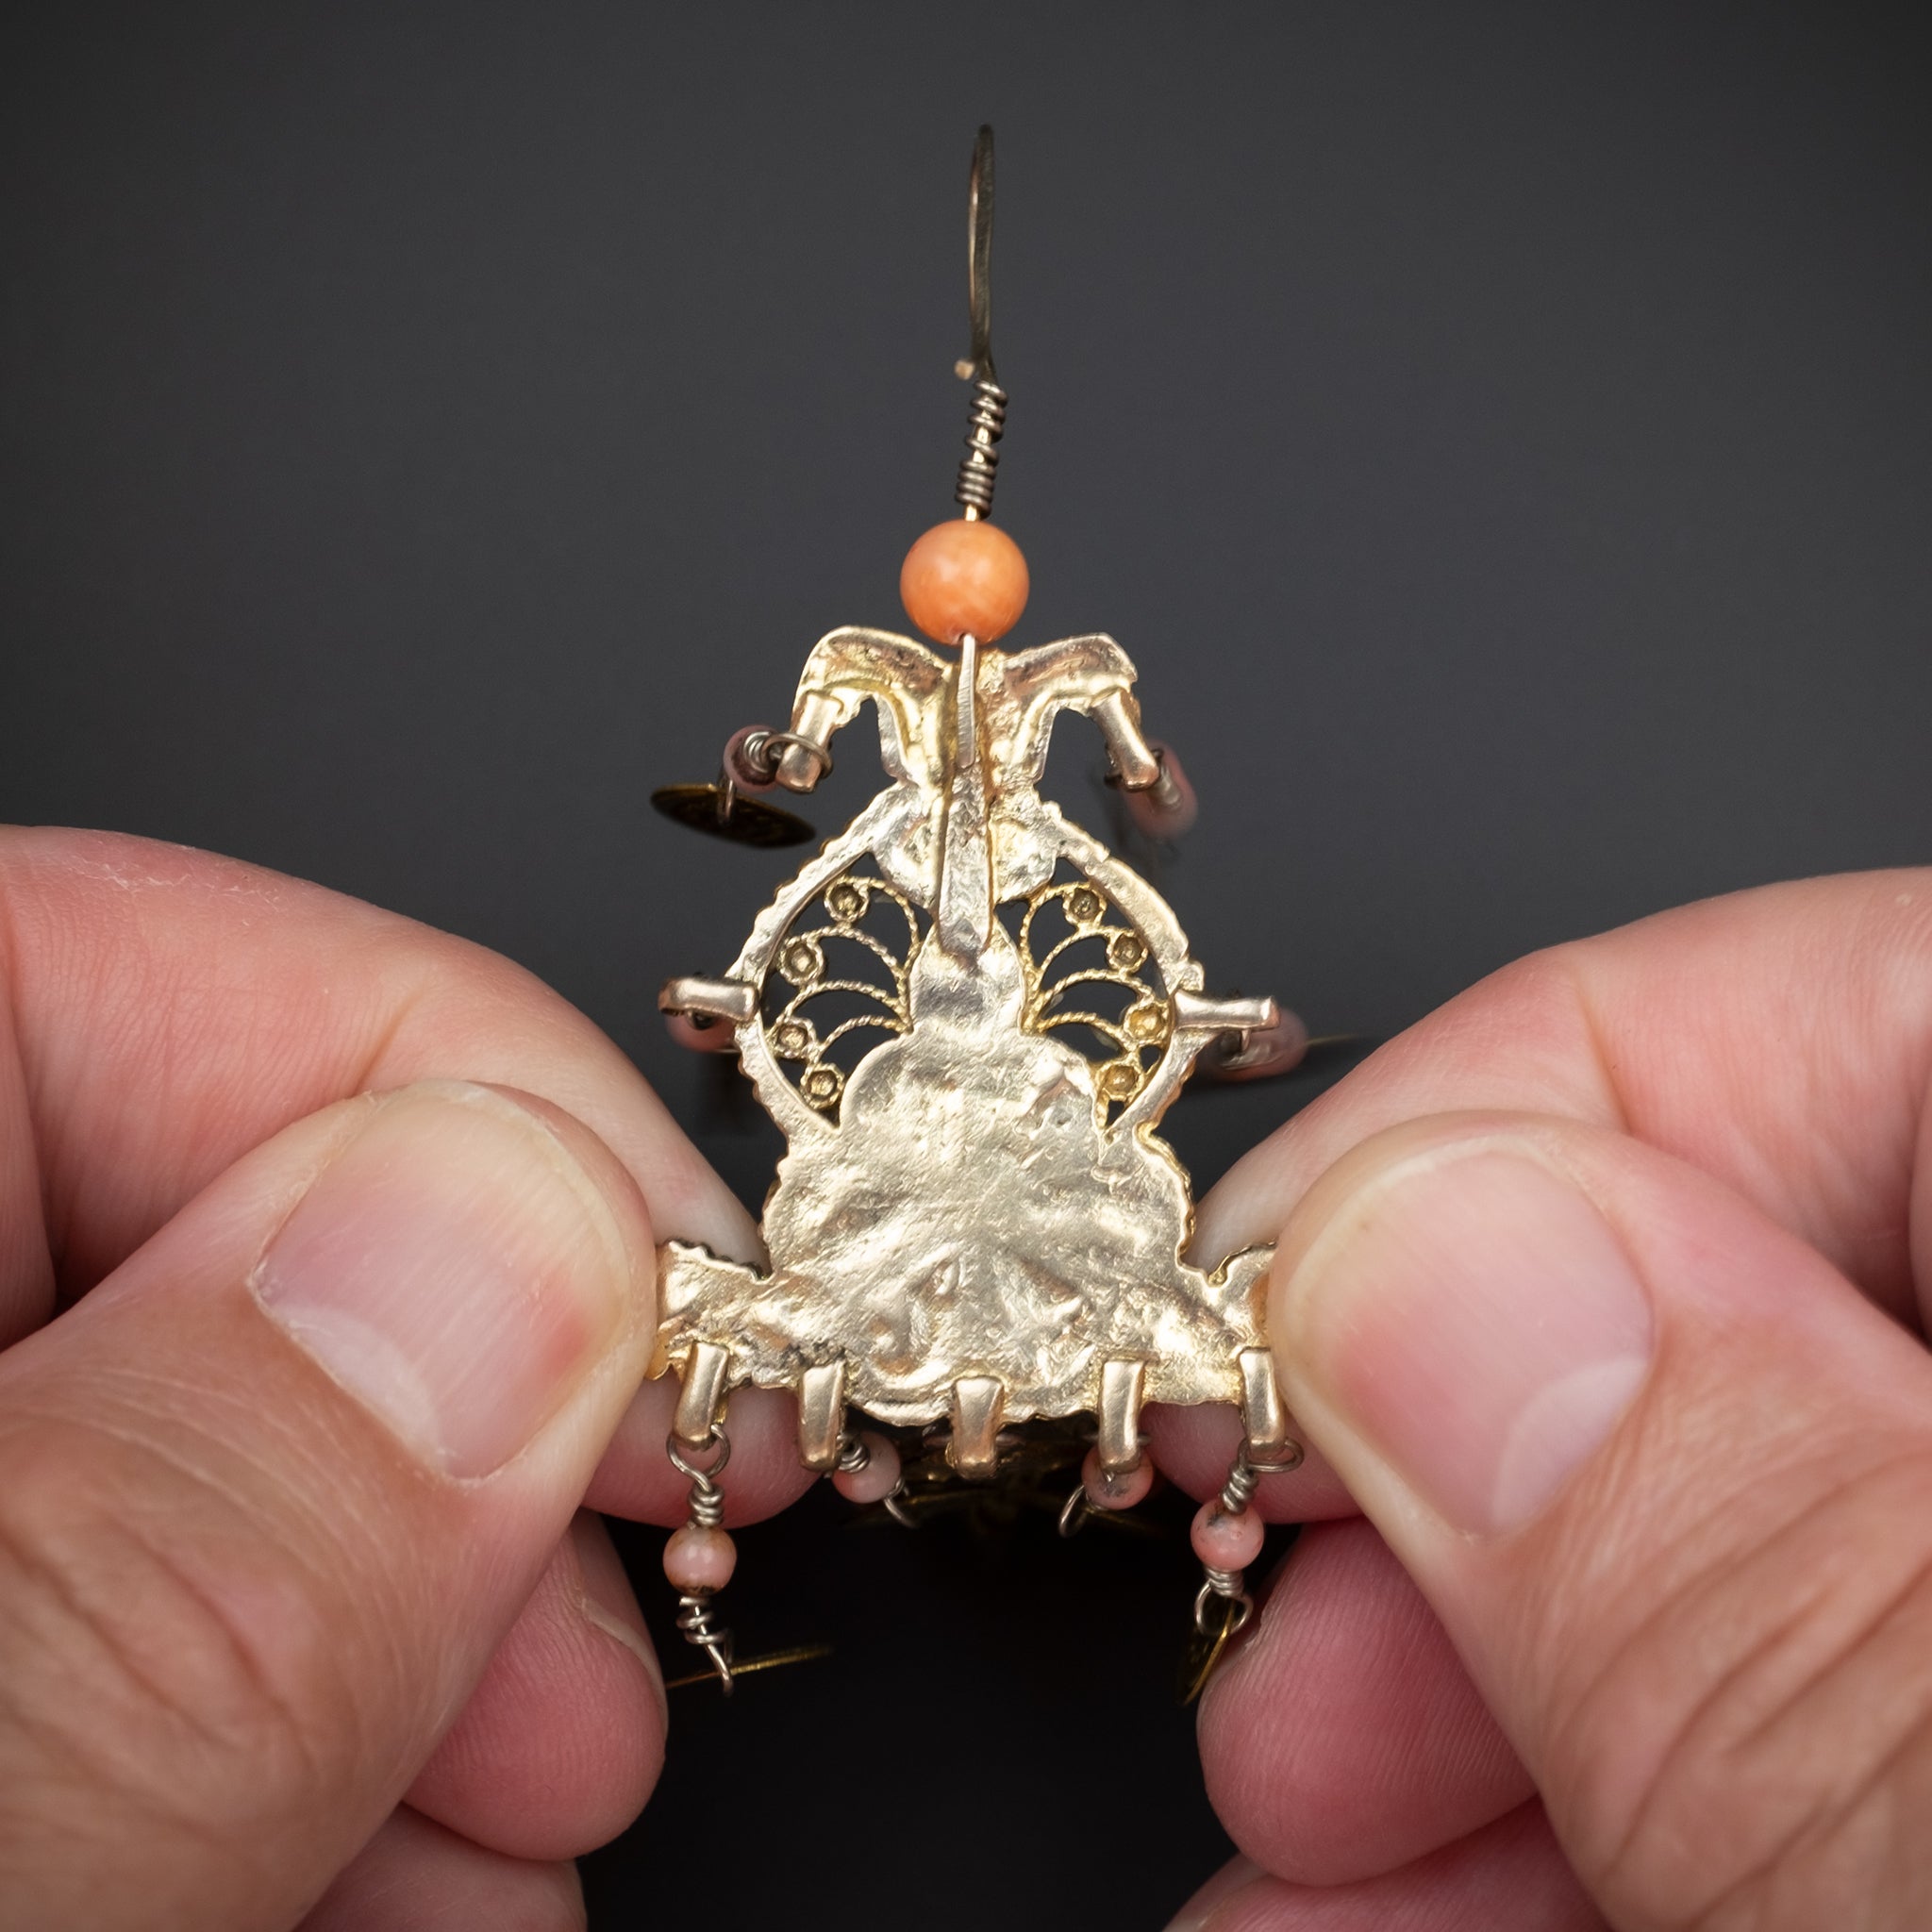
<point x="718" y="1036"/>
<point x="739" y="768"/>
<point x="1167" y="810"/>
<point x="1105" y="1491"/>
<point x="876" y="1480"/>
<point x="1270" y="1050"/>
<point x="963" y="577"/>
<point x="1227" y="1543"/>
<point x="697" y="1560"/>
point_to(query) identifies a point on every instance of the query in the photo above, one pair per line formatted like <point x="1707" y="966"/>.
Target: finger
<point x="270" y="1497"/>
<point x="1511" y="1877"/>
<point x="1776" y="1037"/>
<point x="1343" y="1737"/>
<point x="564" y="1738"/>
<point x="26" y="1254"/>
<point x="415" y="1876"/>
<point x="1666" y="1477"/>
<point x="1780" y="1040"/>
<point x="171" y="1009"/>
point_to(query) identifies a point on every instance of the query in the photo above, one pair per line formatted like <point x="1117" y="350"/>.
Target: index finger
<point x="166" y="1010"/>
<point x="171" y="1009"/>
<point x="1780" y="1040"/>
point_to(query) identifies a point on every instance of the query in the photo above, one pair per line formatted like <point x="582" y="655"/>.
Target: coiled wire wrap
<point x="1238" y="1491"/>
<point x="706" y="1508"/>
<point x="985" y="423"/>
<point x="1226" y="1584"/>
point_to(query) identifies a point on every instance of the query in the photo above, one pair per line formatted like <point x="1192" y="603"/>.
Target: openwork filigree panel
<point x="1090" y="974"/>
<point x="838" y="982"/>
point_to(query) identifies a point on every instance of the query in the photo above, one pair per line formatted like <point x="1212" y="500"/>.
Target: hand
<point x="1604" y="1294"/>
<point x="292" y="1598"/>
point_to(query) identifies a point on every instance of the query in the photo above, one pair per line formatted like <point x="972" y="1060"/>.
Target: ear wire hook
<point x="724" y="807"/>
<point x="986" y="420"/>
<point x="979" y="262"/>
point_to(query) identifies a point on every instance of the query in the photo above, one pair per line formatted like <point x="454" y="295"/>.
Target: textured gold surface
<point x="974" y="1198"/>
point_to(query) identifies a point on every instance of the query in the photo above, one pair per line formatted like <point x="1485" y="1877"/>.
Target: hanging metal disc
<point x="725" y="812"/>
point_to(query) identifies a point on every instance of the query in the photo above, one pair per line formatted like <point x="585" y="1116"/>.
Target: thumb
<point x="271" y="1493"/>
<point x="1666" y="1478"/>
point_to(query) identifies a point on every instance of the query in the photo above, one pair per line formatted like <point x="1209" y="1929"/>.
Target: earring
<point x="966" y="1016"/>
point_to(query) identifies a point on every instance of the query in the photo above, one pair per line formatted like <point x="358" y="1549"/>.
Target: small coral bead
<point x="716" y="1036"/>
<point x="1105" y="1491"/>
<point x="1227" y="1543"/>
<point x="876" y="1480"/>
<point x="1168" y="810"/>
<point x="962" y="577"/>
<point x="697" y="1560"/>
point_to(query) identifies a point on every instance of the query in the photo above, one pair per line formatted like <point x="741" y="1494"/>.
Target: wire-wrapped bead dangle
<point x="1227" y="1538"/>
<point x="700" y="1557"/>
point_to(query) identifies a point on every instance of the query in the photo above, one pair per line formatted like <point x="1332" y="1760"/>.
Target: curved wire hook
<point x="979" y="262"/>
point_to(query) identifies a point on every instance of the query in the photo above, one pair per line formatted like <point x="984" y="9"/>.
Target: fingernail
<point x="455" y="1269"/>
<point x="605" y="1602"/>
<point x="1478" y="1324"/>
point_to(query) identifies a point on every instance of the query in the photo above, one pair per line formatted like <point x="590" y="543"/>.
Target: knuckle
<point x="1758" y="1749"/>
<point x="144" y="1656"/>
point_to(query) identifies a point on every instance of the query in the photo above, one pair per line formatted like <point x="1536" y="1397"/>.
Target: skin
<point x="334" y="1686"/>
<point x="219" y="1739"/>
<point x="1695" y="1679"/>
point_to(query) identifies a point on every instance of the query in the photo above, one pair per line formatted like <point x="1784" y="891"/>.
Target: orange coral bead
<point x="961" y="577"/>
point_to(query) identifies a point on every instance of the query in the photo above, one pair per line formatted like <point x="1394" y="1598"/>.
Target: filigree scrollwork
<point x="859" y="991"/>
<point x="1122" y="1006"/>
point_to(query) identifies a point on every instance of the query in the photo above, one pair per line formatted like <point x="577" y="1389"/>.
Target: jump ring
<point x="774" y="742"/>
<point x="690" y="1470"/>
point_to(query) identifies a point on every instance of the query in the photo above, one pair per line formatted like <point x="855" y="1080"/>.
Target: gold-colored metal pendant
<point x="977" y="1221"/>
<point x="968" y="1017"/>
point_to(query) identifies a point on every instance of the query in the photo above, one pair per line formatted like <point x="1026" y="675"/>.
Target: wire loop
<point x="763" y="750"/>
<point x="691" y="1470"/>
<point x="979" y="361"/>
<point x="1226" y="1586"/>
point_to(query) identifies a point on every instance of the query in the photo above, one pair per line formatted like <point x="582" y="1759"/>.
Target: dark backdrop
<point x="1498" y="433"/>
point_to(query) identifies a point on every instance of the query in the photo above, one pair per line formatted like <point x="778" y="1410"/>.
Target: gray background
<point x="1499" y="435"/>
